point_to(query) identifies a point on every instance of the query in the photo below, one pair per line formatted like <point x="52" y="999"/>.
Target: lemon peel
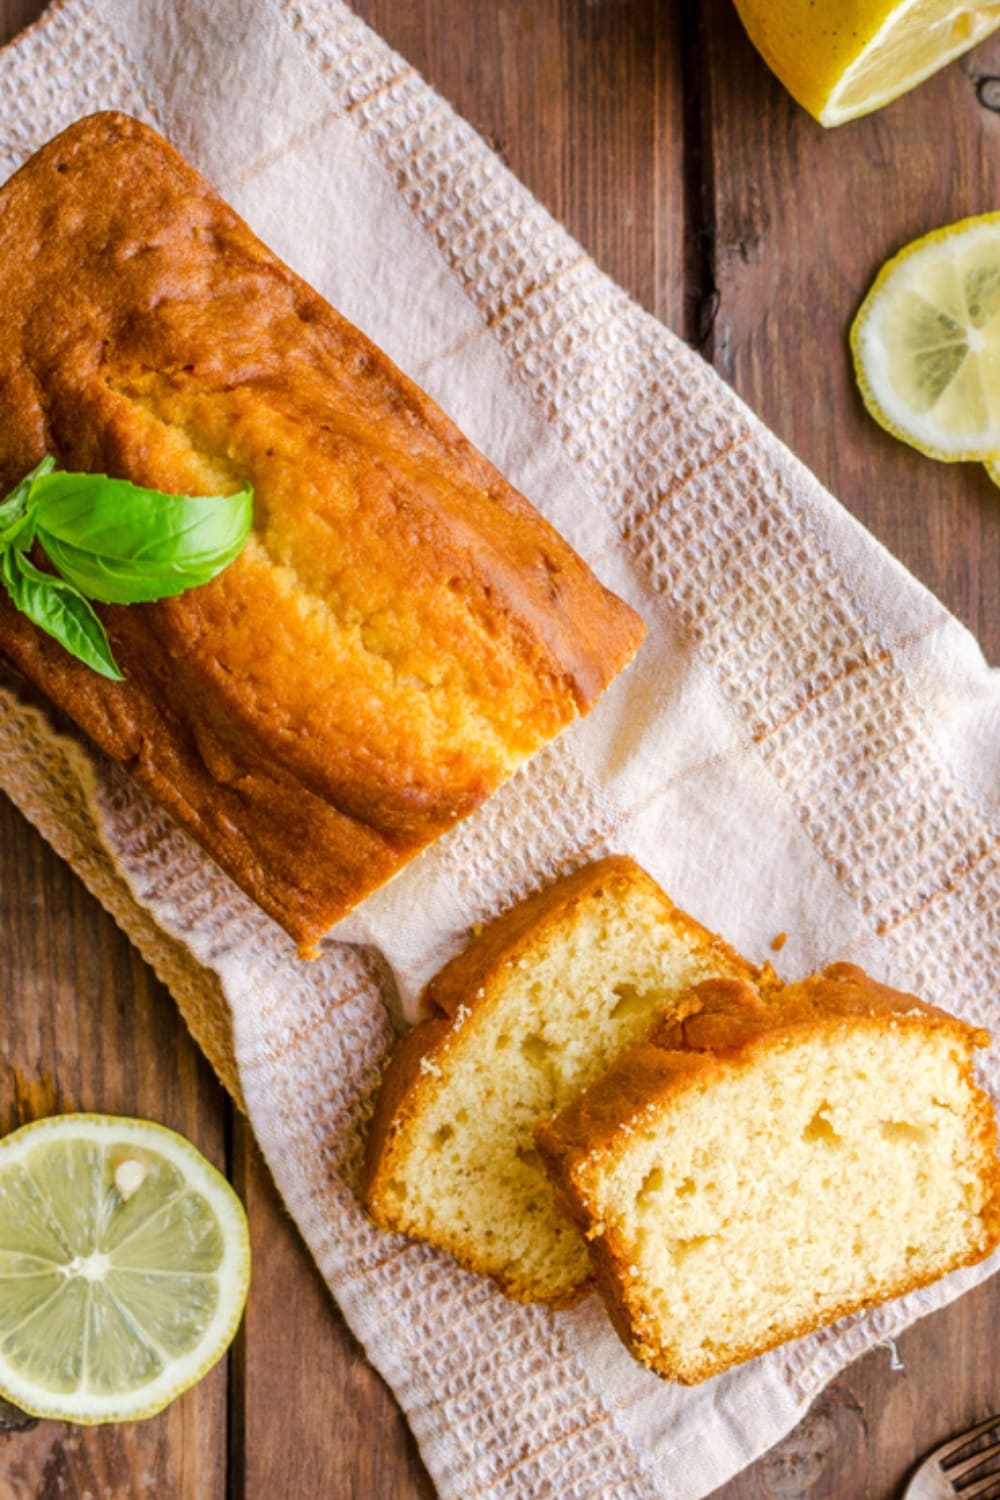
<point x="124" y="1267"/>
<point x="926" y="342"/>
<point x="844" y="58"/>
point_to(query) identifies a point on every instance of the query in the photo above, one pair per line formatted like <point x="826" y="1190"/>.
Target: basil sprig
<point x="111" y="541"/>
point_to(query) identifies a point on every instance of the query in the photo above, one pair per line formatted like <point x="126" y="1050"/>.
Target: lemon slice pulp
<point x="124" y="1265"/>
<point x="844" y="59"/>
<point x="926" y="342"/>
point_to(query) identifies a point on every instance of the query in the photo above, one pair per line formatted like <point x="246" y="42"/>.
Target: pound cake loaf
<point x="532" y="1011"/>
<point x="402" y="629"/>
<point x="774" y="1159"/>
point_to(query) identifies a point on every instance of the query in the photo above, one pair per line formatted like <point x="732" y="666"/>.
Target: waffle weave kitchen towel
<point x="806" y="742"/>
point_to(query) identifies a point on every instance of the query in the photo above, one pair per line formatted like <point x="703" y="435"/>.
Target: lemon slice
<point x="124" y="1263"/>
<point x="844" y="58"/>
<point x="926" y="342"/>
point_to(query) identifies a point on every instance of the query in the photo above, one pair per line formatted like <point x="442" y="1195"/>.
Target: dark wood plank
<point x="797" y="221"/>
<point x="16" y="14"/>
<point x="310" y="1415"/>
<point x="585" y="102"/>
<point x="86" y="1026"/>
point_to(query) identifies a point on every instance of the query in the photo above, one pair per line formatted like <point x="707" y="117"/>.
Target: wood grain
<point x="797" y="221"/>
<point x="309" y="1416"/>
<point x="650" y="128"/>
<point x="583" y="99"/>
<point x="86" y="1026"/>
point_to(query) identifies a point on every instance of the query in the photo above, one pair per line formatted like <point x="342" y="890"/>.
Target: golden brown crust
<point x="459" y="995"/>
<point x="630" y="1313"/>
<point x="727" y="1017"/>
<point x="724" y="1018"/>
<point x="601" y="1116"/>
<point x="509" y="938"/>
<point x="467" y="981"/>
<point x="398" y="1098"/>
<point x="402" y="631"/>
<point x="416" y="1070"/>
<point x="728" y="1020"/>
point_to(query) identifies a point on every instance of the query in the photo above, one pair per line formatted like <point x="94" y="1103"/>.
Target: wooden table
<point x="652" y="129"/>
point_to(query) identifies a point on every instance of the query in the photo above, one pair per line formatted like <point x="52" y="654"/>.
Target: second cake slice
<point x="533" y="1011"/>
<point x="781" y="1157"/>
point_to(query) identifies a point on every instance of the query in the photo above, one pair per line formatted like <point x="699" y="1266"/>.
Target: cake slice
<point x="778" y="1157"/>
<point x="534" y="1009"/>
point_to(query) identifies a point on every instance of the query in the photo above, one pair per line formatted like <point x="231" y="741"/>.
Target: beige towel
<point x="807" y="741"/>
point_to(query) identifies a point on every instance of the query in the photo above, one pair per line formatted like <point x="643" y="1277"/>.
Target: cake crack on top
<point x="402" y="630"/>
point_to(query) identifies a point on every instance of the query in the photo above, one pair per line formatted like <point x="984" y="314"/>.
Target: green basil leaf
<point x="57" y="608"/>
<point x="113" y="541"/>
<point x="19" y="530"/>
<point x="123" y="544"/>
<point x="15" y="508"/>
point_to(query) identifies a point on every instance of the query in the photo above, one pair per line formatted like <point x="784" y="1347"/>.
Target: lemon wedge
<point x="926" y="342"/>
<point x="844" y="58"/>
<point x="124" y="1265"/>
